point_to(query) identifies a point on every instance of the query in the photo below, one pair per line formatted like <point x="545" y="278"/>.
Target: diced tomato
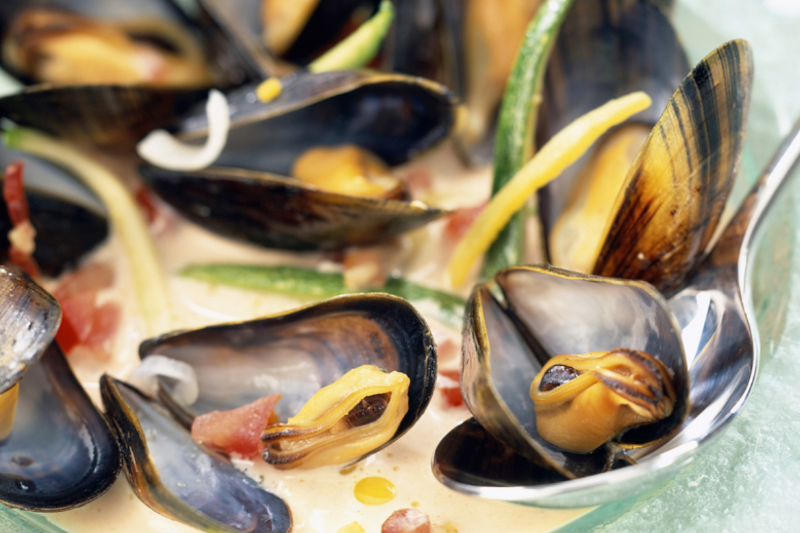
<point x="24" y="261"/>
<point x="238" y="430"/>
<point x="14" y="193"/>
<point x="155" y="215"/>
<point x="407" y="521"/>
<point x="448" y="383"/>
<point x="92" y="277"/>
<point x="84" y="322"/>
<point x="418" y="181"/>
<point x="459" y="222"/>
<point x="448" y="350"/>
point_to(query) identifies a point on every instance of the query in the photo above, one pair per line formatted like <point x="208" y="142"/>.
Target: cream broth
<point x="322" y="499"/>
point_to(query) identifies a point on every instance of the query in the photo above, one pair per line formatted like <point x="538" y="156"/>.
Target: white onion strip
<point x="179" y="376"/>
<point x="161" y="149"/>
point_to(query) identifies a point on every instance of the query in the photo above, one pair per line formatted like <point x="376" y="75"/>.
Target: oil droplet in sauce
<point x="353" y="527"/>
<point x="374" y="490"/>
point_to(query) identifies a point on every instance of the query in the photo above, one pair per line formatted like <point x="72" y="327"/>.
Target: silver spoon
<point x="721" y="342"/>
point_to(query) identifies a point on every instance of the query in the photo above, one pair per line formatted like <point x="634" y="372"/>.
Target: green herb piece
<point x="308" y="283"/>
<point x="517" y="123"/>
<point x="359" y="47"/>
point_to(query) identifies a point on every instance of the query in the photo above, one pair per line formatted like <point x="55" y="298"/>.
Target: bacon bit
<point x="156" y="216"/>
<point x="459" y="222"/>
<point x="447" y="350"/>
<point x="84" y="323"/>
<point x="370" y="266"/>
<point x="418" y="181"/>
<point x="238" y="430"/>
<point x="22" y="235"/>
<point x="448" y="383"/>
<point x="407" y="521"/>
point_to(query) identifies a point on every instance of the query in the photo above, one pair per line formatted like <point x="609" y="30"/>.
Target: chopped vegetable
<point x="516" y="124"/>
<point x="148" y="280"/>
<point x="359" y="47"/>
<point x="562" y="150"/>
<point x="448" y="383"/>
<point x="162" y="149"/>
<point x="238" y="430"/>
<point x="309" y="283"/>
<point x="22" y="235"/>
<point x="407" y="521"/>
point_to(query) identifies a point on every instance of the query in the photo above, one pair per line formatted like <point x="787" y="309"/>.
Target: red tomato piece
<point x="14" y="193"/>
<point x="407" y="521"/>
<point x="89" y="278"/>
<point x="459" y="222"/>
<point x="448" y="383"/>
<point x="238" y="430"/>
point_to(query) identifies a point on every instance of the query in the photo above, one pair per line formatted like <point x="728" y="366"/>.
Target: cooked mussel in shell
<point x="59" y="453"/>
<point x="181" y="479"/>
<point x="307" y="355"/>
<point x="583" y="401"/>
<point x="659" y="224"/>
<point x="517" y="323"/>
<point x="248" y="194"/>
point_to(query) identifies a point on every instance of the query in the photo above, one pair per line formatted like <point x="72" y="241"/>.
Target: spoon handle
<point x="736" y="239"/>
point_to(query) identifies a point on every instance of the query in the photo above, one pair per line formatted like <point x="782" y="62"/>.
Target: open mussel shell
<point x="68" y="220"/>
<point x="246" y="196"/>
<point x="60" y="453"/>
<point x="672" y="198"/>
<point x="297" y="353"/>
<point x="29" y="319"/>
<point x="181" y="479"/>
<point x="527" y="315"/>
<point x="604" y="50"/>
<point x="109" y="116"/>
<point x="680" y="181"/>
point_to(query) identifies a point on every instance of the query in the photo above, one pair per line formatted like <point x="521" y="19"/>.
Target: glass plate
<point x="747" y="480"/>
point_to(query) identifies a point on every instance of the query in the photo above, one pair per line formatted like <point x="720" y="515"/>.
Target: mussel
<point x="395" y="117"/>
<point x="658" y="226"/>
<point x="59" y="453"/>
<point x="296" y="354"/>
<point x="65" y="204"/>
<point x="181" y="479"/>
<point x="509" y="337"/>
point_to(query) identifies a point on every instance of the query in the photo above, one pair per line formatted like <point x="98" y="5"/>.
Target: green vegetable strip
<point x="516" y="124"/>
<point x="308" y="283"/>
<point x="125" y="217"/>
<point x="359" y="47"/>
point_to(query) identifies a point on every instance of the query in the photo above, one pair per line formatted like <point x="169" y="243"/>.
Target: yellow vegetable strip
<point x="125" y="217"/>
<point x="560" y="152"/>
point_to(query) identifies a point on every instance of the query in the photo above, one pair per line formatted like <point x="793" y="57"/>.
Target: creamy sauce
<point x="321" y="500"/>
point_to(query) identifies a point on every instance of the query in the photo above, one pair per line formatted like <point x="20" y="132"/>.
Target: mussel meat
<point x="342" y="422"/>
<point x="583" y="401"/>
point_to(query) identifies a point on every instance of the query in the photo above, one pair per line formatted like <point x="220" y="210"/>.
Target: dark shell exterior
<point x="396" y="117"/>
<point x="181" y="479"/>
<point x="605" y="49"/>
